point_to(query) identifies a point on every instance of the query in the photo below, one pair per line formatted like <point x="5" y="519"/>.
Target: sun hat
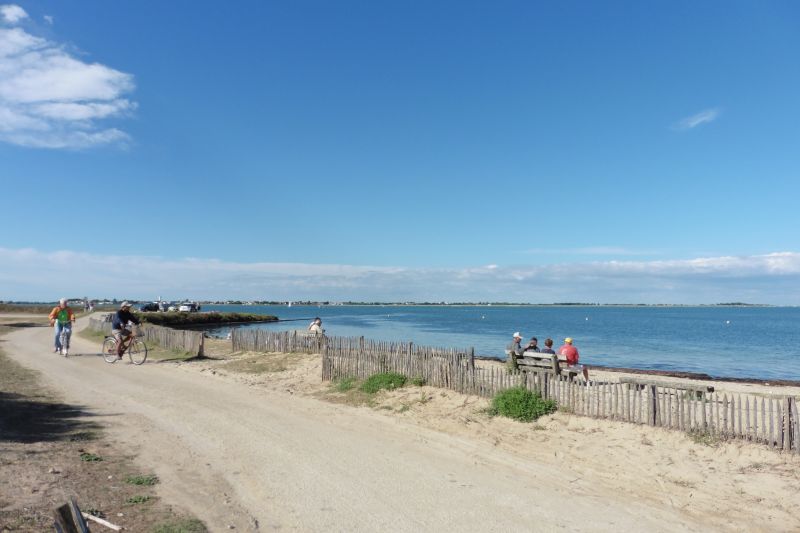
<point x="568" y="340"/>
<point x="517" y="335"/>
<point x="124" y="304"/>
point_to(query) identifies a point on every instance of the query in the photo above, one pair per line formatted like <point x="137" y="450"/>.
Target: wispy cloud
<point x="703" y="117"/>
<point x="50" y="99"/>
<point x="771" y="278"/>
<point x="591" y="250"/>
<point x="12" y="14"/>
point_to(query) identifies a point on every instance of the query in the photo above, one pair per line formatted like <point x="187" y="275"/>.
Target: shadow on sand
<point x="25" y="420"/>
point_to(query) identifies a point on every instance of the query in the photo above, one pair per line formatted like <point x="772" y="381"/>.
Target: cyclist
<point x="62" y="317"/>
<point x="118" y="325"/>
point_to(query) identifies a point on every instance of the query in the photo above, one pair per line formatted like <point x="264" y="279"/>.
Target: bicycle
<point x="63" y="338"/>
<point x="136" y="348"/>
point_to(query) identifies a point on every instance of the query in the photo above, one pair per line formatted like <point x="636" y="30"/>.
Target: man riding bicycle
<point x="118" y="326"/>
<point x="62" y="317"/>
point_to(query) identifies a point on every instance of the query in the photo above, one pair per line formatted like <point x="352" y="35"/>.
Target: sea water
<point x="745" y="342"/>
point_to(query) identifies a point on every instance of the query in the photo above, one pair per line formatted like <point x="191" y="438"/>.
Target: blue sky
<point x="515" y="151"/>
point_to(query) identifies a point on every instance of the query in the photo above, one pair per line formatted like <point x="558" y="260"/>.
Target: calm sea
<point x="754" y="342"/>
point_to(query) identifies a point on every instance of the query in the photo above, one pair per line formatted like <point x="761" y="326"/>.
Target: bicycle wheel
<point x="110" y="350"/>
<point x="137" y="351"/>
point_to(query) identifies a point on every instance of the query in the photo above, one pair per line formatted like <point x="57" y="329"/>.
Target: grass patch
<point x="264" y="364"/>
<point x="190" y="525"/>
<point x="136" y="500"/>
<point x="704" y="437"/>
<point x="521" y="404"/>
<point x="90" y="457"/>
<point x="418" y="381"/>
<point x="142" y="480"/>
<point x="386" y="380"/>
<point x="344" y="385"/>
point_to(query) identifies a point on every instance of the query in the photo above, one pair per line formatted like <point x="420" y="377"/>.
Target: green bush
<point x="386" y="380"/>
<point x="418" y="381"/>
<point x="521" y="404"/>
<point x="177" y="318"/>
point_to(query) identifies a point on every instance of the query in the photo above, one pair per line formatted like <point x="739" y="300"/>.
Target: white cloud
<point x="771" y="278"/>
<point x="12" y="13"/>
<point x="703" y="117"/>
<point x="48" y="19"/>
<point x="50" y="99"/>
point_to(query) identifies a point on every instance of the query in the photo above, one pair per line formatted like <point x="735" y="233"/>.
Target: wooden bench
<point x="552" y="363"/>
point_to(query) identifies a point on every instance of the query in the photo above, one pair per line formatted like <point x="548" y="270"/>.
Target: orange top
<point x="63" y="315"/>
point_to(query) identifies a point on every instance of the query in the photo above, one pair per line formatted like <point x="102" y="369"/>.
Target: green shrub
<point x="418" y="381"/>
<point x="521" y="404"/>
<point x="386" y="380"/>
<point x="179" y="319"/>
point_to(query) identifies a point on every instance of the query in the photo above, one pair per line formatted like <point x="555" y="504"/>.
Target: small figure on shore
<point x="514" y="350"/>
<point x="571" y="353"/>
<point x="62" y="318"/>
<point x="548" y="346"/>
<point x="316" y="327"/>
<point x="533" y="345"/>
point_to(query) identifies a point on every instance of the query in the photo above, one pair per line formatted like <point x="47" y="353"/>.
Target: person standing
<point x="62" y="318"/>
<point x="571" y="353"/>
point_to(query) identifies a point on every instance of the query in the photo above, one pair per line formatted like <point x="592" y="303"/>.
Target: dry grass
<point x="263" y="363"/>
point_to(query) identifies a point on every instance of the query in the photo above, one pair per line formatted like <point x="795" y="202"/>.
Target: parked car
<point x="148" y="307"/>
<point x="188" y="307"/>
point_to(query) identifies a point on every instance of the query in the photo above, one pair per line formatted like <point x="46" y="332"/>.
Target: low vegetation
<point x="142" y="480"/>
<point x="383" y="381"/>
<point x="135" y="500"/>
<point x="178" y="319"/>
<point x="344" y="385"/>
<point x="191" y="525"/>
<point x="521" y="404"/>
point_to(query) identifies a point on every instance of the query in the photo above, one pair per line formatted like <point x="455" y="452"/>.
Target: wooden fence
<point x="767" y="419"/>
<point x="191" y="342"/>
<point x="259" y="340"/>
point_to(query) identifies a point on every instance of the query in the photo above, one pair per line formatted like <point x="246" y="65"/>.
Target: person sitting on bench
<point x="548" y="346"/>
<point x="571" y="353"/>
<point x="533" y="345"/>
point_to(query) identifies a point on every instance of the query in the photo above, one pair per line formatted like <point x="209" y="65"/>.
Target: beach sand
<point x="719" y="485"/>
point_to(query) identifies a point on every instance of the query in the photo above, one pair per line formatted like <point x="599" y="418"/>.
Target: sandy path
<point x="257" y="458"/>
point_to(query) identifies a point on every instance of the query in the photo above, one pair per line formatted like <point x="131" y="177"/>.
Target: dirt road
<point x="256" y="459"/>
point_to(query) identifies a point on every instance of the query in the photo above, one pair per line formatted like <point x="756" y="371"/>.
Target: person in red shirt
<point x="572" y="355"/>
